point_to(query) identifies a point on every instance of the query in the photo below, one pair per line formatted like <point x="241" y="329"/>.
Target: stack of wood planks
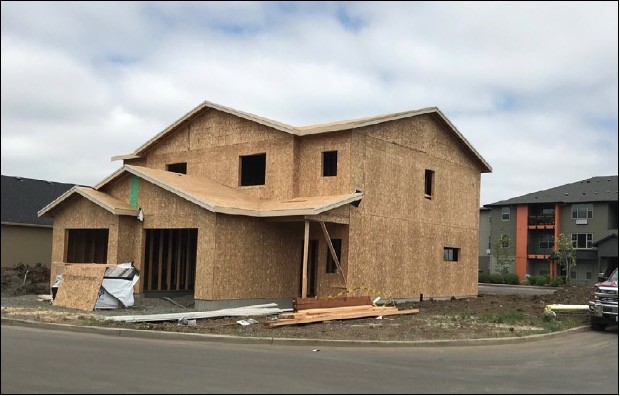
<point x="310" y="310"/>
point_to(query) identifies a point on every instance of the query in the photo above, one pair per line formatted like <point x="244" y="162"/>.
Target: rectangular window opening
<point x="506" y="213"/>
<point x="450" y="254"/>
<point x="87" y="246"/>
<point x="331" y="264"/>
<point x="505" y="239"/>
<point x="170" y="259"/>
<point x="252" y="172"/>
<point x="429" y="177"/>
<point x="582" y="241"/>
<point x="330" y="163"/>
<point x="582" y="211"/>
<point x="546" y="242"/>
<point x="180" y="167"/>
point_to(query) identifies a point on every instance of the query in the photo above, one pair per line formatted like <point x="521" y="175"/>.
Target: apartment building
<point x="586" y="211"/>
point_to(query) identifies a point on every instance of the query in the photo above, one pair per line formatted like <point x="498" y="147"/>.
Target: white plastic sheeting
<point x="113" y="291"/>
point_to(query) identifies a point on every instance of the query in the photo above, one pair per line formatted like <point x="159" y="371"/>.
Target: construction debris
<point x="565" y="308"/>
<point x="336" y="313"/>
<point x="329" y="302"/>
<point x="251" y="310"/>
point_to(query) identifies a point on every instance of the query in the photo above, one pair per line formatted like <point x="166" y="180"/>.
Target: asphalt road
<point x="47" y="361"/>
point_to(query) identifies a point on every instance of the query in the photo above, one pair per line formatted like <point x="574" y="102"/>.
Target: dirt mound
<point x="24" y="279"/>
<point x="572" y="294"/>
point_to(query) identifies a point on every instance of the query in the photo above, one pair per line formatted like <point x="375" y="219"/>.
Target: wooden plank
<point x="375" y="311"/>
<point x="161" y="258"/>
<point x="187" y="260"/>
<point x="149" y="281"/>
<point x="304" y="267"/>
<point x="80" y="286"/>
<point x="250" y="310"/>
<point x="179" y="244"/>
<point x="330" y="302"/>
<point x="169" y="262"/>
<point x="338" y="310"/>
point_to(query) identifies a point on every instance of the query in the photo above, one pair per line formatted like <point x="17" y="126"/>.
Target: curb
<point x="168" y="335"/>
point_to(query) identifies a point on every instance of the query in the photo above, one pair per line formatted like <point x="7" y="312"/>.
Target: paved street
<point x="47" y="361"/>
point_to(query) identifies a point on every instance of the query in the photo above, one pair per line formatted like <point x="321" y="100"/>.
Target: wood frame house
<point x="233" y="207"/>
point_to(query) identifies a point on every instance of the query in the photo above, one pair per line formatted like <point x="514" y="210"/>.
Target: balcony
<point x="535" y="252"/>
<point x="541" y="222"/>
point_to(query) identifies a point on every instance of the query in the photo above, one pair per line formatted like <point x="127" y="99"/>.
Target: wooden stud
<point x="187" y="260"/>
<point x="178" y="268"/>
<point x="332" y="251"/>
<point x="149" y="281"/>
<point x="161" y="258"/>
<point x="304" y="268"/>
<point x="169" y="261"/>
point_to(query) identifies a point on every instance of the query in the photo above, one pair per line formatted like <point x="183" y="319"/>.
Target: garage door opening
<point x="170" y="259"/>
<point x="87" y="246"/>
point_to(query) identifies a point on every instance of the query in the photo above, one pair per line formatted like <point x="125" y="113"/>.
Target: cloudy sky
<point x="533" y="86"/>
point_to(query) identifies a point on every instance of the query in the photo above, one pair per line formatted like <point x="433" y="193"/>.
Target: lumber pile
<point x="325" y="309"/>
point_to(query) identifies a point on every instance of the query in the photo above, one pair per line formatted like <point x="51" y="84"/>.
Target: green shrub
<point x="484" y="278"/>
<point x="557" y="281"/>
<point x="496" y="278"/>
<point x="512" y="279"/>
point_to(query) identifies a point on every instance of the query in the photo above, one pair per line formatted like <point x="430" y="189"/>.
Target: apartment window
<point x="180" y="167"/>
<point x="330" y="163"/>
<point x="505" y="238"/>
<point x="506" y="213"/>
<point x="573" y="274"/>
<point x="331" y="264"/>
<point x="429" y="177"/>
<point x="582" y="241"/>
<point x="582" y="211"/>
<point x="450" y="254"/>
<point x="253" y="169"/>
<point x="588" y="275"/>
<point x="546" y="242"/>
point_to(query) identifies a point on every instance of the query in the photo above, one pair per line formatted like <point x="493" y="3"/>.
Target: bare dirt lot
<point x="481" y="317"/>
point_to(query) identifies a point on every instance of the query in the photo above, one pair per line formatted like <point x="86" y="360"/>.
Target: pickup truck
<point x="603" y="306"/>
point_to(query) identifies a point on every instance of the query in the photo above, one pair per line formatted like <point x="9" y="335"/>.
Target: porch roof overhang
<point x="106" y="201"/>
<point x="211" y="196"/>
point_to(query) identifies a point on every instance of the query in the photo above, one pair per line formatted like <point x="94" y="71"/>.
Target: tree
<point x="502" y="258"/>
<point x="564" y="253"/>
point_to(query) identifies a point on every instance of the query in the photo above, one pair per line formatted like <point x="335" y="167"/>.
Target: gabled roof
<point x="594" y="189"/>
<point x="106" y="201"/>
<point x="605" y="239"/>
<point x="23" y="197"/>
<point x="310" y="129"/>
<point x="216" y="197"/>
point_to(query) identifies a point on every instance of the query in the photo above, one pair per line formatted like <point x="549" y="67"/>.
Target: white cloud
<point x="523" y="81"/>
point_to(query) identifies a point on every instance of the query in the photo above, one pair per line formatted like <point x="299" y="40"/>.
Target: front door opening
<point x="170" y="259"/>
<point x="87" y="245"/>
<point x="313" y="249"/>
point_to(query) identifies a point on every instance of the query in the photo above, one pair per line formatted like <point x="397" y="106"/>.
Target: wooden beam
<point x="330" y="302"/>
<point x="187" y="259"/>
<point x="161" y="258"/>
<point x="333" y="252"/>
<point x="149" y="281"/>
<point x="169" y="262"/>
<point x="178" y="268"/>
<point x="304" y="267"/>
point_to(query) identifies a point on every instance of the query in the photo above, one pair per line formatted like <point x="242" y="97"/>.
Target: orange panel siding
<point x="521" y="243"/>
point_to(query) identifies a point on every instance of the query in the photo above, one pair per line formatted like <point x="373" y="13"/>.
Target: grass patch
<point x="511" y="317"/>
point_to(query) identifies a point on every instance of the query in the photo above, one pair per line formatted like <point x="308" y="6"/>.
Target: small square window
<point x="252" y="171"/>
<point x="450" y="254"/>
<point x="330" y="163"/>
<point x="573" y="274"/>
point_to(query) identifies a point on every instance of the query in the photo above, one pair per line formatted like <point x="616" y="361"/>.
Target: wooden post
<point x="169" y="261"/>
<point x="149" y="280"/>
<point x="161" y="258"/>
<point x="304" y="268"/>
<point x="178" y="267"/>
<point x="332" y="251"/>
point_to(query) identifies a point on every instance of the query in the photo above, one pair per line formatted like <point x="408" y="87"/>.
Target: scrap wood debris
<point x="332" y="312"/>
